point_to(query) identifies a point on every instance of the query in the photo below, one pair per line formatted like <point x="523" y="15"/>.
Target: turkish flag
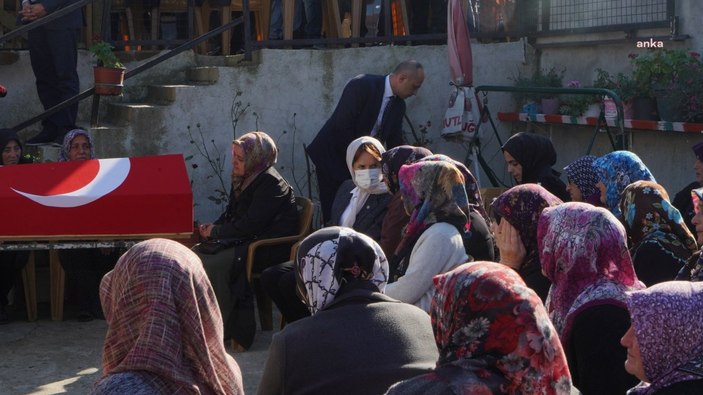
<point x="122" y="197"/>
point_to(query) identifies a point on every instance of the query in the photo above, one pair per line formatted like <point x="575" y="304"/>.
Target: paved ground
<point x="46" y="357"/>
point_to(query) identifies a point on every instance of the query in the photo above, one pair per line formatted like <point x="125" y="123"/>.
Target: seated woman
<point x="433" y="241"/>
<point x="682" y="200"/>
<point x="693" y="271"/>
<point x="84" y="267"/>
<point x="358" y="340"/>
<point x="582" y="180"/>
<point x="480" y="245"/>
<point x="164" y="331"/>
<point x="583" y="251"/>
<point x="666" y="353"/>
<point x="493" y="335"/>
<point x="261" y="206"/>
<point x="615" y="171"/>
<point x="396" y="218"/>
<point x="11" y="262"/>
<point x="530" y="158"/>
<point x="515" y="214"/>
<point x="360" y="203"/>
<point x="661" y="243"/>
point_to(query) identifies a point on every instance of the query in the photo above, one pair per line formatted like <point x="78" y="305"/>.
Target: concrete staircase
<point x="132" y="127"/>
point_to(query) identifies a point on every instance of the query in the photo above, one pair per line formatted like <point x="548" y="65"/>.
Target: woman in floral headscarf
<point x="661" y="242"/>
<point x="358" y="340"/>
<point x="494" y="337"/>
<point x="261" y="206"/>
<point x="433" y="241"/>
<point x="396" y="218"/>
<point x="583" y="252"/>
<point x="615" y="171"/>
<point x="77" y="145"/>
<point x="515" y="214"/>
<point x="164" y="331"/>
<point x="665" y="342"/>
<point x="582" y="181"/>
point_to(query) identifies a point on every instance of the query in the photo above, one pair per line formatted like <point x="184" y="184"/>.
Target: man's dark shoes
<point x="44" y="137"/>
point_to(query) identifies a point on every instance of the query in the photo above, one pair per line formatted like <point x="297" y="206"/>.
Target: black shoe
<point x="44" y="137"/>
<point x="4" y="316"/>
<point x="84" y="316"/>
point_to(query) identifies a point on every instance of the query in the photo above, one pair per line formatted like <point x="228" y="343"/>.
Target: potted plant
<point x="109" y="73"/>
<point x="670" y="76"/>
<point x="622" y="84"/>
<point x="541" y="78"/>
<point x="578" y="105"/>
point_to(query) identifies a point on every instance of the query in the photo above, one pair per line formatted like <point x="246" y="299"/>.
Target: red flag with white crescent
<point x="100" y="197"/>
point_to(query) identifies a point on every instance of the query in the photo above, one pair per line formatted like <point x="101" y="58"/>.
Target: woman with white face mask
<point x="362" y="202"/>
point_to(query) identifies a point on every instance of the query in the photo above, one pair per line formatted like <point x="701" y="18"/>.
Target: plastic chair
<point x="263" y="302"/>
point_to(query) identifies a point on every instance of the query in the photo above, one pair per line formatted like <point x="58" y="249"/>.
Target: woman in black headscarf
<point x="530" y="158"/>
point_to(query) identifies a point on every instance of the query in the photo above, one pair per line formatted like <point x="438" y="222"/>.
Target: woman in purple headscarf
<point x="583" y="252"/>
<point x="582" y="181"/>
<point x="665" y="341"/>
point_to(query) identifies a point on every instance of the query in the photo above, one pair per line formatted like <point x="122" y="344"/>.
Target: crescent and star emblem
<point x="111" y="174"/>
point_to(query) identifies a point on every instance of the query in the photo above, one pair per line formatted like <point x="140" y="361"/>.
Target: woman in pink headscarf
<point x="164" y="327"/>
<point x="583" y="252"/>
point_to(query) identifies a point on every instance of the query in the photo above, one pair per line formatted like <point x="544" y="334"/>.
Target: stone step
<point x="203" y="75"/>
<point x="122" y="114"/>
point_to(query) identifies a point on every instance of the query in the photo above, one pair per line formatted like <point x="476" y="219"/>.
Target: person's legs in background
<point x="279" y="283"/>
<point x="313" y="17"/>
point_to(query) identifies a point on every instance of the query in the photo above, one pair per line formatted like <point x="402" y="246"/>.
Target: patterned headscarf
<point x="583" y="252"/>
<point x="521" y="206"/>
<point x="392" y="159"/>
<point x="667" y="320"/>
<point x="470" y="184"/>
<point x="332" y="257"/>
<point x="68" y="139"/>
<point x="693" y="271"/>
<point x="648" y="215"/>
<point x="432" y="191"/>
<point x="581" y="173"/>
<point x="260" y="153"/>
<point x="534" y="152"/>
<point x="617" y="170"/>
<point x="163" y="318"/>
<point x="494" y="335"/>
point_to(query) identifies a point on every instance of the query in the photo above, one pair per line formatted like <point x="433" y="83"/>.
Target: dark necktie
<point x="384" y="119"/>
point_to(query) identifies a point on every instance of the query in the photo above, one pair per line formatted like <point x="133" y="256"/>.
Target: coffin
<point x="121" y="197"/>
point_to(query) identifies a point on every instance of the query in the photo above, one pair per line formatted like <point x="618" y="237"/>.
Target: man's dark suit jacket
<point x="355" y="116"/>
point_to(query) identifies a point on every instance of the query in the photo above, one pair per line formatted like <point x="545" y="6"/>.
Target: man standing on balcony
<point x="371" y="105"/>
<point x="53" y="52"/>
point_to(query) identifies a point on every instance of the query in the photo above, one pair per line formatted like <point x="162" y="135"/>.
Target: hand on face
<point x="512" y="250"/>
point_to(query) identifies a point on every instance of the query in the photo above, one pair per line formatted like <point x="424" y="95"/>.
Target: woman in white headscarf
<point x="362" y="202"/>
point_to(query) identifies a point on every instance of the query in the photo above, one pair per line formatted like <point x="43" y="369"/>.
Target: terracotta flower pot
<point x="108" y="81"/>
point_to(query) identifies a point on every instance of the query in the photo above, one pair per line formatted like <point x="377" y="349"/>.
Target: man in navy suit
<point x="371" y="105"/>
<point x="53" y="52"/>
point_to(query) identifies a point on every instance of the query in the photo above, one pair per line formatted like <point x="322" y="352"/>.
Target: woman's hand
<point x="512" y="251"/>
<point x="205" y="230"/>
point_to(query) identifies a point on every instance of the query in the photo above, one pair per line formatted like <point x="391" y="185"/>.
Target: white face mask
<point x="367" y="178"/>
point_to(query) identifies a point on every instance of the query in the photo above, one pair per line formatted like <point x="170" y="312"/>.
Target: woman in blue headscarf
<point x="615" y="171"/>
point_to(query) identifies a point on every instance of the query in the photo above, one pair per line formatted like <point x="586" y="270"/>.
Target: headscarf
<point x="583" y="252"/>
<point x="470" y="184"/>
<point x="432" y="191"/>
<point x="260" y="153"/>
<point x="534" y="152"/>
<point x="521" y="206"/>
<point x="648" y="215"/>
<point x="392" y="159"/>
<point x="68" y="139"/>
<point x="582" y="174"/>
<point x="494" y="335"/>
<point x="359" y="195"/>
<point x="163" y="318"/>
<point x="617" y="170"/>
<point x="698" y="151"/>
<point x="7" y="135"/>
<point x="333" y="257"/>
<point x="693" y="271"/>
<point x="667" y="320"/>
